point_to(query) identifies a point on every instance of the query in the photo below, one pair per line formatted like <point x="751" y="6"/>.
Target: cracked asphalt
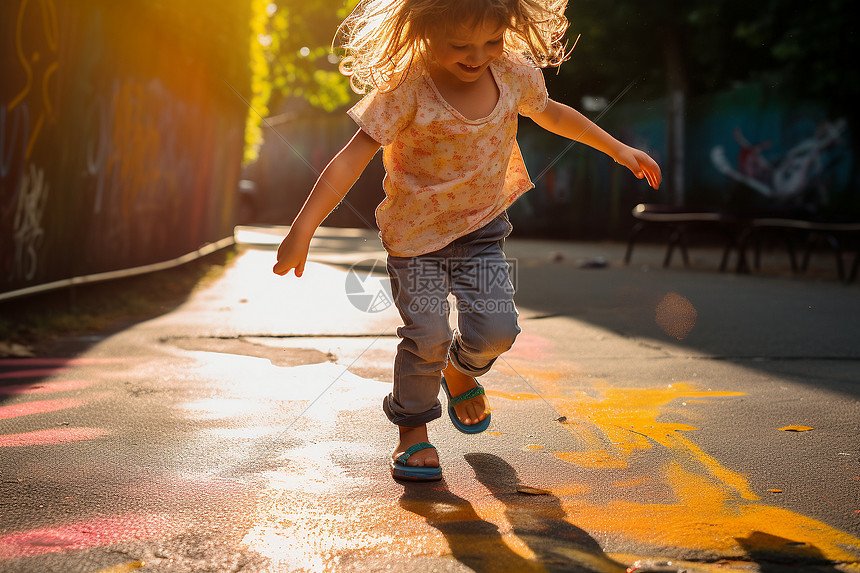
<point x="667" y="420"/>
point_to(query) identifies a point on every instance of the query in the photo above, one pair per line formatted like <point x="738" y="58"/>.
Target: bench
<point x="676" y="223"/>
<point x="814" y="233"/>
<point x="741" y="232"/>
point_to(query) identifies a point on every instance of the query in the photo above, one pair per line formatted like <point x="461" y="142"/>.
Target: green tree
<point x="805" y="46"/>
<point x="811" y="49"/>
<point x="290" y="45"/>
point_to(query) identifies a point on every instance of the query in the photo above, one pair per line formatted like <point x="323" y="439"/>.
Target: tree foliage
<point x="812" y="47"/>
<point x="291" y="58"/>
<point x="699" y="46"/>
<point x="803" y="47"/>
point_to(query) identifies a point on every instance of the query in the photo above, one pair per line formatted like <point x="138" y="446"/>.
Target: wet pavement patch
<point x="284" y="357"/>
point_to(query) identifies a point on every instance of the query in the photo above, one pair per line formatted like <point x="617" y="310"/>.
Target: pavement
<point x="647" y="419"/>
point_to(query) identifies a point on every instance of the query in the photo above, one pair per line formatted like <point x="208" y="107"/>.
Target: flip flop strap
<point x="412" y="449"/>
<point x="467" y="395"/>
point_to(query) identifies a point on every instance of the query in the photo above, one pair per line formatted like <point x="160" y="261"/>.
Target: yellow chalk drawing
<point x="715" y="510"/>
<point x="520" y="396"/>
<point x="641" y="481"/>
<point x="708" y="518"/>
<point x="124" y="568"/>
<point x="796" y="429"/>
<point x="593" y="459"/>
<point x="631" y="483"/>
<point x="627" y="417"/>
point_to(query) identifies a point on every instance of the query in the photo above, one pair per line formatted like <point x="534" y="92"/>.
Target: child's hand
<point x="292" y="254"/>
<point x="641" y="164"/>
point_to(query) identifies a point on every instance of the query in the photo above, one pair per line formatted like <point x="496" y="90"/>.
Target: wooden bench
<point x="741" y="232"/>
<point x="677" y="223"/>
<point x="814" y="234"/>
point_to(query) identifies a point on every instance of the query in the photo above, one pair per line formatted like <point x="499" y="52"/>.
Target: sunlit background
<point x="135" y="132"/>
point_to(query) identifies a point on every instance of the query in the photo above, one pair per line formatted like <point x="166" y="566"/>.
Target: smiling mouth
<point x="469" y="68"/>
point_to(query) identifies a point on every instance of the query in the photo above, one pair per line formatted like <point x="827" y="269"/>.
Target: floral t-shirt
<point x="447" y="175"/>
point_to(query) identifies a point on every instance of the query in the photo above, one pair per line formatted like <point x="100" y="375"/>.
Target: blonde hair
<point x="383" y="38"/>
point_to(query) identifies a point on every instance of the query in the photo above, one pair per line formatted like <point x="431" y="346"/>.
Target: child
<point x="446" y="81"/>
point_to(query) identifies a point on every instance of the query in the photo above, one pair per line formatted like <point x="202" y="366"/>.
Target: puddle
<point x="278" y="356"/>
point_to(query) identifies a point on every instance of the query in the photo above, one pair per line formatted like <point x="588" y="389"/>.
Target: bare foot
<point x="470" y="411"/>
<point x="409" y="436"/>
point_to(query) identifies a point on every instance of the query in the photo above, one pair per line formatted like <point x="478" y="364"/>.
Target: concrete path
<point x="663" y="420"/>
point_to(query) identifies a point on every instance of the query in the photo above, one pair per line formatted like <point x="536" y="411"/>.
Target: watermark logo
<point x="368" y="287"/>
<point x="479" y="285"/>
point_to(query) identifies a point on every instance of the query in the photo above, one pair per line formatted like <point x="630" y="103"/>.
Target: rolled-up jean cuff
<point x="468" y="371"/>
<point x="410" y="420"/>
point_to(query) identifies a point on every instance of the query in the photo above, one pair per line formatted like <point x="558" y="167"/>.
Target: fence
<point x="120" y="142"/>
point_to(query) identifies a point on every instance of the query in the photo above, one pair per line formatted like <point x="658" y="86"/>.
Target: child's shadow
<point x="537" y="521"/>
<point x="474" y="542"/>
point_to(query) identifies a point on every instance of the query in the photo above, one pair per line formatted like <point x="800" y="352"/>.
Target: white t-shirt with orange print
<point x="447" y="175"/>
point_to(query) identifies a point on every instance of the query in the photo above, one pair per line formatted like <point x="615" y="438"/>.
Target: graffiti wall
<point x="755" y="151"/>
<point x="120" y="142"/>
<point x="749" y="150"/>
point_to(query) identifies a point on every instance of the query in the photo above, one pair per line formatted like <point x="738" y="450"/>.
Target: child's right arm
<point x="567" y="122"/>
<point x="332" y="186"/>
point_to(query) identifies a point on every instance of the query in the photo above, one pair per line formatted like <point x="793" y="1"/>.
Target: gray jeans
<point x="474" y="269"/>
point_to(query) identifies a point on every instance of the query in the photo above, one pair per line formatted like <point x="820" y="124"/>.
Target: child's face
<point x="468" y="51"/>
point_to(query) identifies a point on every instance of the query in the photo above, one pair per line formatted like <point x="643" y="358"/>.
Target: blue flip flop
<point x="399" y="469"/>
<point x="467" y="395"/>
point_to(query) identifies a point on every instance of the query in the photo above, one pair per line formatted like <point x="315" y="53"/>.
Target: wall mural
<point x="788" y="175"/>
<point x="116" y="149"/>
<point x="23" y="118"/>
<point x="745" y="151"/>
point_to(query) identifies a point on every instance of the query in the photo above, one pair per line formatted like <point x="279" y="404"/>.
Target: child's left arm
<point x="567" y="122"/>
